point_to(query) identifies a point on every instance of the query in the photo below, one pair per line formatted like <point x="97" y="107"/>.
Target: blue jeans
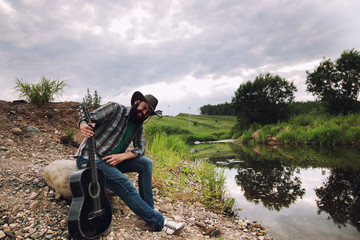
<point x="142" y="202"/>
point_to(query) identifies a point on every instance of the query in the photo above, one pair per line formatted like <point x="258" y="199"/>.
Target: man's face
<point x="141" y="112"/>
<point x="144" y="110"/>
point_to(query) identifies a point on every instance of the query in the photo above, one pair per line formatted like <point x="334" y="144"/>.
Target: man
<point x="114" y="128"/>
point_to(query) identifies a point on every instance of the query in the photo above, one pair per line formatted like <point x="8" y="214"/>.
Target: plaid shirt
<point x="111" y="121"/>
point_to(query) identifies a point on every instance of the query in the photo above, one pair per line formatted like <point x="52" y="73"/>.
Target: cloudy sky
<point x="187" y="53"/>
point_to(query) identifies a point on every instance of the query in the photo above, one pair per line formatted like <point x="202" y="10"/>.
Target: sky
<point x="187" y="53"/>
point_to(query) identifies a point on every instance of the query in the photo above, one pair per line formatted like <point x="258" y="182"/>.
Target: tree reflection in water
<point x="340" y="197"/>
<point x="273" y="177"/>
<point x="271" y="183"/>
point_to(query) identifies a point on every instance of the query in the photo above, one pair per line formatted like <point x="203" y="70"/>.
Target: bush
<point x="353" y="135"/>
<point x="42" y="92"/>
<point x="329" y="135"/>
<point x="247" y="138"/>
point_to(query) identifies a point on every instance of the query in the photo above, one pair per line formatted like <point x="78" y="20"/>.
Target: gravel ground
<point x="30" y="209"/>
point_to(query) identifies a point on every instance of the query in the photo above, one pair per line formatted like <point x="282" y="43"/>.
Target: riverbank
<point x="315" y="130"/>
<point x="32" y="210"/>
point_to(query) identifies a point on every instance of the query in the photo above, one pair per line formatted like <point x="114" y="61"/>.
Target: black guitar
<point x="90" y="211"/>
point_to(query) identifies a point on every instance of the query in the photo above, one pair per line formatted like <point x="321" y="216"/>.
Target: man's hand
<point x="115" y="159"/>
<point x="86" y="130"/>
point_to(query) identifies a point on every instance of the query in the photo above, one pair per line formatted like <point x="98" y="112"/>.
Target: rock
<point x="34" y="205"/>
<point x="9" y="233"/>
<point x="2" y="234"/>
<point x="4" y="149"/>
<point x="16" y="131"/>
<point x="33" y="195"/>
<point x="10" y="142"/>
<point x="32" y="129"/>
<point x="57" y="175"/>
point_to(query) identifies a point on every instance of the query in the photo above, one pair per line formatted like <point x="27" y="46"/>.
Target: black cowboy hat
<point x="149" y="99"/>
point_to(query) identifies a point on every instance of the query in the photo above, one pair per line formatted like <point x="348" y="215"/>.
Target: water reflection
<point x="340" y="197"/>
<point x="271" y="183"/>
<point x="275" y="179"/>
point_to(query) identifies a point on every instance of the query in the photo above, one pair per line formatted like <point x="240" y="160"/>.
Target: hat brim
<point x="139" y="96"/>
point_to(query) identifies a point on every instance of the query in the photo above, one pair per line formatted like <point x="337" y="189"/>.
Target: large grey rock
<point x="57" y="175"/>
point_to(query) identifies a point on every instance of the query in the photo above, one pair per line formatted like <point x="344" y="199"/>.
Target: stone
<point x="32" y="129"/>
<point x="2" y="234"/>
<point x="10" y="142"/>
<point x="57" y="175"/>
<point x="34" y="205"/>
<point x="16" y="131"/>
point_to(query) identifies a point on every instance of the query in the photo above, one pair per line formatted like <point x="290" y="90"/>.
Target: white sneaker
<point x="171" y="227"/>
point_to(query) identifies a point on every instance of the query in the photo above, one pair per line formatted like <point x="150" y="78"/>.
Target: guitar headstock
<point x="84" y="112"/>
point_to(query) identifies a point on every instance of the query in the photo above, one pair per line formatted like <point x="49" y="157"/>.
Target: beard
<point x="134" y="114"/>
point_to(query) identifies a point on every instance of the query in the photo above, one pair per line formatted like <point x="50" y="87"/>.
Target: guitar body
<point x="90" y="212"/>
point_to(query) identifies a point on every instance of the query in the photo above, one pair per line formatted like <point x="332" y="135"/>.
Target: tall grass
<point x="41" y="92"/>
<point x="181" y="179"/>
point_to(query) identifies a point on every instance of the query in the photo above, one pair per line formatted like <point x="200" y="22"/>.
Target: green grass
<point x="197" y="128"/>
<point x="175" y="175"/>
<point x="180" y="179"/>
<point x="320" y="130"/>
<point x="41" y="92"/>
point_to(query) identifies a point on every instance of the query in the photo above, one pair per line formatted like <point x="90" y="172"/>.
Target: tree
<point x="96" y="100"/>
<point x="337" y="84"/>
<point x="263" y="101"/>
<point x="90" y="101"/>
<point x="219" y="109"/>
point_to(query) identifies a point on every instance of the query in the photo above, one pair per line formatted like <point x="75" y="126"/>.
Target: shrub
<point x="42" y="92"/>
<point x="247" y="138"/>
<point x="329" y="135"/>
<point x="353" y="135"/>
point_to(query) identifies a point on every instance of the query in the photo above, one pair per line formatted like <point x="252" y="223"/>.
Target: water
<point x="296" y="193"/>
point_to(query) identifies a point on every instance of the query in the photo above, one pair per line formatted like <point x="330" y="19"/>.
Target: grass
<point x="193" y="128"/>
<point x="41" y="92"/>
<point x="320" y="130"/>
<point x="175" y="175"/>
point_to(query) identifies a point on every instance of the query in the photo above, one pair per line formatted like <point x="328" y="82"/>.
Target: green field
<point x="193" y="128"/>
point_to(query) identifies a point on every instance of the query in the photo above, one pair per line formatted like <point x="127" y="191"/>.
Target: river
<point x="295" y="193"/>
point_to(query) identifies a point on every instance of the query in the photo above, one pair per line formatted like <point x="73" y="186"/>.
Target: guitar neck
<point x="91" y="145"/>
<point x="92" y="151"/>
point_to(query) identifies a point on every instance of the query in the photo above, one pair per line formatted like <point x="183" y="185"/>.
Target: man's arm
<point x="118" y="158"/>
<point x="139" y="143"/>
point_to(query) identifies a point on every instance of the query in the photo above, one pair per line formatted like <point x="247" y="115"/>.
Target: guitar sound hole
<point x="94" y="189"/>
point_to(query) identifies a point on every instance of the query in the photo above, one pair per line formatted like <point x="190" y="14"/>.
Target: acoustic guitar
<point x="90" y="211"/>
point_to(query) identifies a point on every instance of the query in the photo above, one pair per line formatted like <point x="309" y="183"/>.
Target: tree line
<point x="270" y="98"/>
<point x="224" y="109"/>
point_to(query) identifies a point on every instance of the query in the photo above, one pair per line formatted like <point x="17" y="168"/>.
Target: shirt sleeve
<point x="101" y="114"/>
<point x="104" y="113"/>
<point x="139" y="143"/>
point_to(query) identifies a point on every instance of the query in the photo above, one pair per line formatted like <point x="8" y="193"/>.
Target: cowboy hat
<point x="149" y="99"/>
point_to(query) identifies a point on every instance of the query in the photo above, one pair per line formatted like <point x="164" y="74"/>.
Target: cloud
<point x="196" y="52"/>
